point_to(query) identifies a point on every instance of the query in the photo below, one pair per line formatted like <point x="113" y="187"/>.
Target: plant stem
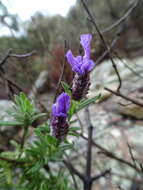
<point x="88" y="178"/>
<point x="24" y="137"/>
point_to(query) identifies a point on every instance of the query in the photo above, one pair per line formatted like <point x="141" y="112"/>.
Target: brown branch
<point x="103" y="42"/>
<point x="10" y="82"/>
<point x="112" y="155"/>
<point x="14" y="84"/>
<point x="10" y="54"/>
<point x="62" y="73"/>
<point x="123" y="18"/>
<point x="125" y="97"/>
<point x="4" y="59"/>
<point x="89" y="144"/>
<point x="23" y="55"/>
<point x="88" y="179"/>
<point x="80" y="122"/>
<point x="103" y="174"/>
<point x="127" y="66"/>
<point x="73" y="169"/>
<point x="72" y="175"/>
<point x="131" y="154"/>
<point x="101" y="58"/>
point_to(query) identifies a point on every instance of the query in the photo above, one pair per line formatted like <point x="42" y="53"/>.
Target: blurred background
<point x="44" y="26"/>
<point x="48" y="29"/>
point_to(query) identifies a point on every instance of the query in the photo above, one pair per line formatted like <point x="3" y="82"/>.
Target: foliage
<point x="31" y="166"/>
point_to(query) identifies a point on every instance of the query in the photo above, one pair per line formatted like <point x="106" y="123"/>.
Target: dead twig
<point x="103" y="174"/>
<point x="112" y="155"/>
<point x="23" y="55"/>
<point x="101" y="58"/>
<point x="106" y="47"/>
<point x="125" y="97"/>
<point x="122" y="19"/>
<point x="131" y="154"/>
<point x="73" y="169"/>
<point x="62" y="73"/>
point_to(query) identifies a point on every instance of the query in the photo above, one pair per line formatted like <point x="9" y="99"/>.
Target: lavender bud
<point x="59" y="127"/>
<point x="80" y="86"/>
<point x="59" y="115"/>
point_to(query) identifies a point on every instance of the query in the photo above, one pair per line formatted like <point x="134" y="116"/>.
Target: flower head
<point x="62" y="105"/>
<point x="82" y="65"/>
<point x="59" y="115"/>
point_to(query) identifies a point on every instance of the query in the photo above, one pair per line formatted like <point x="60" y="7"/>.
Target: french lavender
<point x="59" y="116"/>
<point x="81" y="65"/>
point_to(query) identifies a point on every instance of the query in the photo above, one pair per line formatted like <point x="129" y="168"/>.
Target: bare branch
<point x="103" y="42"/>
<point x="125" y="97"/>
<point x="23" y="55"/>
<point x="73" y="169"/>
<point x="131" y="154"/>
<point x="101" y="58"/>
<point x="4" y="59"/>
<point x="62" y="73"/>
<point x="123" y="18"/>
<point x="112" y="155"/>
<point x="103" y="174"/>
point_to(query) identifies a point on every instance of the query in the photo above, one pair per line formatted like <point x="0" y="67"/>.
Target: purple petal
<point x="78" y="59"/>
<point x="85" y="40"/>
<point x="62" y="105"/>
<point x="71" y="59"/>
<point x="54" y="111"/>
<point x="87" y="66"/>
<point x="74" y="61"/>
<point x="67" y="102"/>
<point x="64" y="101"/>
<point x="91" y="65"/>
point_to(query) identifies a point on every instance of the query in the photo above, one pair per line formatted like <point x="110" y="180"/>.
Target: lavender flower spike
<point x="81" y="65"/>
<point x="59" y="115"/>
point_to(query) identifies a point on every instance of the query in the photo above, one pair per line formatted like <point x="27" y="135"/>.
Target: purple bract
<point x="82" y="65"/>
<point x="59" y="114"/>
<point x="62" y="105"/>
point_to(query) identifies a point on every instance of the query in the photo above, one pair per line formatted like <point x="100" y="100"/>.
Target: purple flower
<point x="59" y="115"/>
<point x="62" y="105"/>
<point x="82" y="65"/>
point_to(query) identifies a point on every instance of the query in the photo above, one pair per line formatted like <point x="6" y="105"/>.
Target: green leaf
<point x="74" y="128"/>
<point x="72" y="109"/>
<point x="10" y="123"/>
<point x="8" y="175"/>
<point x="45" y="128"/>
<point x="37" y="116"/>
<point x="66" y="146"/>
<point x="51" y="139"/>
<point x="87" y="102"/>
<point x="15" y="144"/>
<point x="66" y="87"/>
<point x="73" y="131"/>
<point x="24" y="110"/>
<point x="77" y="106"/>
<point x="73" y="121"/>
<point x="74" y="134"/>
<point x="37" y="166"/>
